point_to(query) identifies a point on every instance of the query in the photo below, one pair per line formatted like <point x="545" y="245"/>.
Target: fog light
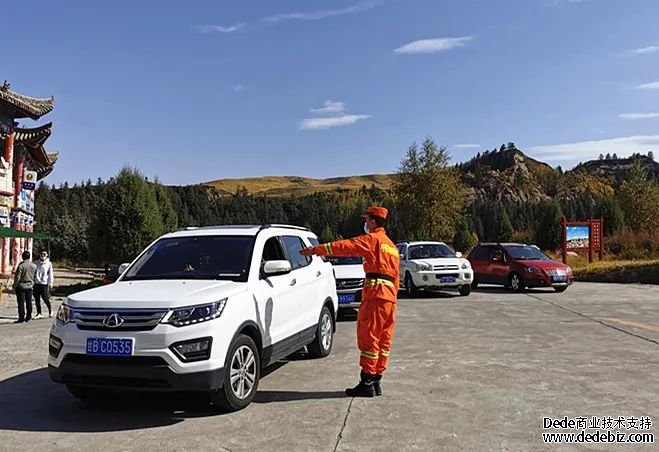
<point x="467" y="276"/>
<point x="425" y="277"/>
<point x="54" y="346"/>
<point x="194" y="350"/>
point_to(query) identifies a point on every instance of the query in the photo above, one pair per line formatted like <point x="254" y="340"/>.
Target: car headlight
<point x="568" y="270"/>
<point x="195" y="314"/>
<point x="533" y="270"/>
<point x="465" y="265"/>
<point x="64" y="314"/>
<point x="423" y="267"/>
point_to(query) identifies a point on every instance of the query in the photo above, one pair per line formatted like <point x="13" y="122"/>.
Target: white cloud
<point x="645" y="50"/>
<point x="328" y="123"/>
<point x="424" y="46"/>
<point x="330" y="107"/>
<point x="639" y="115"/>
<point x="322" y="14"/>
<point x="220" y="28"/>
<point x="239" y="88"/>
<point x="653" y="85"/>
<point x="586" y="150"/>
<point x="467" y="146"/>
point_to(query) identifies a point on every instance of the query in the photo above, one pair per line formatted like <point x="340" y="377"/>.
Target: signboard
<point x="577" y="237"/>
<point x="29" y="180"/>
<point x="582" y="236"/>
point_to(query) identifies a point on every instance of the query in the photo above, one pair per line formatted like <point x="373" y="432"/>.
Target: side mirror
<point x="497" y="259"/>
<point x="458" y="254"/>
<point x="122" y="268"/>
<point x="403" y="257"/>
<point x="272" y="268"/>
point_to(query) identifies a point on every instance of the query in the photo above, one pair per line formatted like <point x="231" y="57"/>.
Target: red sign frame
<point x="595" y="238"/>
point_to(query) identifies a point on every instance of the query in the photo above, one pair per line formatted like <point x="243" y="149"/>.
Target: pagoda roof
<point x="32" y="140"/>
<point x="34" y="135"/>
<point x="21" y="106"/>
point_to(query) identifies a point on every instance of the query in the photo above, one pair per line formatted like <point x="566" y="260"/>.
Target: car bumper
<point x="152" y="365"/>
<point x="132" y="373"/>
<point x="433" y="280"/>
<point x="546" y="281"/>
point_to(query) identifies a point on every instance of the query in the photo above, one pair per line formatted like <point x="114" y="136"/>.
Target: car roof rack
<point x="222" y="226"/>
<point x="284" y="226"/>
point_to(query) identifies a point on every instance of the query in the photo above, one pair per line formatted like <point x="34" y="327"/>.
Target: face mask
<point x="43" y="258"/>
<point x="366" y="228"/>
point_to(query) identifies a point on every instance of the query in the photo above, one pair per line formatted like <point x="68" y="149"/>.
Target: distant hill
<point x="617" y="169"/>
<point x="505" y="174"/>
<point x="299" y="186"/>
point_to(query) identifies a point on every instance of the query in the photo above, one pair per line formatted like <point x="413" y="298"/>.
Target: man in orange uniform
<point x="376" y="319"/>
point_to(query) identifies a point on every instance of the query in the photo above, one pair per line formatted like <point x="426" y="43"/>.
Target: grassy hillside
<point x="287" y="185"/>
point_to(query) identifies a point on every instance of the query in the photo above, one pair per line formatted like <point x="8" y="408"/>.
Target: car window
<point x="524" y="252"/>
<point x="483" y="253"/>
<point x="430" y="251"/>
<point x="202" y="257"/>
<point x="272" y="251"/>
<point x="315" y="242"/>
<point x="292" y="246"/>
<point x="496" y="253"/>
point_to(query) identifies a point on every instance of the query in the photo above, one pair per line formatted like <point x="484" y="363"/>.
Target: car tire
<point x="465" y="290"/>
<point x="560" y="289"/>
<point x="411" y="290"/>
<point x="322" y="344"/>
<point x="516" y="282"/>
<point x="87" y="393"/>
<point x="243" y="366"/>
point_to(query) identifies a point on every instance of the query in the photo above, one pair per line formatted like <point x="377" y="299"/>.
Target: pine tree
<point x="549" y="234"/>
<point x="504" y="229"/>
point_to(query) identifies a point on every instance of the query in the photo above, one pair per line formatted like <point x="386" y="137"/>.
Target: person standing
<point x="377" y="311"/>
<point x="43" y="282"/>
<point x="23" y="285"/>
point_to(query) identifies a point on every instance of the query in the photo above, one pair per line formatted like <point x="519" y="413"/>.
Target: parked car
<point x="201" y="309"/>
<point x="433" y="266"/>
<point x="349" y="273"/>
<point x="518" y="266"/>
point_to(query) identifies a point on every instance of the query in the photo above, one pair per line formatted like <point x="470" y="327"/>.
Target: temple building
<point x="24" y="162"/>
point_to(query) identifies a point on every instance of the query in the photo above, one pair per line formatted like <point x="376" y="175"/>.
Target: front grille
<point x="122" y="361"/>
<point x="133" y="319"/>
<point x="344" y="284"/>
<point x="555" y="272"/>
<point x="441" y="268"/>
<point x="121" y="382"/>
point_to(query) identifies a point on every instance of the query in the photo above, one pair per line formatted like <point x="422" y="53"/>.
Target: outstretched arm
<point x="359" y="246"/>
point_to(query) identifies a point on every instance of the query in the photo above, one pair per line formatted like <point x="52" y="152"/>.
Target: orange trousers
<point x="376" y="321"/>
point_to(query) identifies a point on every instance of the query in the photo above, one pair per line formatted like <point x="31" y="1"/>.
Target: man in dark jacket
<point x="23" y="285"/>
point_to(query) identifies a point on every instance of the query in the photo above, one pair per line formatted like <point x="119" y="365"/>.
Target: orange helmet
<point x="375" y="211"/>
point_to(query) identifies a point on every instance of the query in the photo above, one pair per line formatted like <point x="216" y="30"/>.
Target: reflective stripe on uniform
<point x="370" y="355"/>
<point x="375" y="282"/>
<point x="384" y="352"/>
<point x="328" y="249"/>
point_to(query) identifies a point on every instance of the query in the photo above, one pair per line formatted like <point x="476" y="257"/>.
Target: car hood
<point x="544" y="264"/>
<point x="349" y="271"/>
<point x="155" y="294"/>
<point x="441" y="261"/>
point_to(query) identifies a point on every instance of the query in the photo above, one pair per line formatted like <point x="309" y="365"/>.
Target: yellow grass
<point x="288" y="185"/>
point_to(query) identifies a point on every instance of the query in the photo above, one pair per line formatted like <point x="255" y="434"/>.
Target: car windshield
<point x="345" y="260"/>
<point x="200" y="257"/>
<point x="430" y="251"/>
<point x="526" y="253"/>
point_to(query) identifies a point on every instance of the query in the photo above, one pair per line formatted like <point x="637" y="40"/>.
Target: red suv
<point x="518" y="266"/>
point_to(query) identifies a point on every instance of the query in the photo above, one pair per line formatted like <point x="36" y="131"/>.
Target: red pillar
<point x="5" y="269"/>
<point x="18" y="186"/>
<point x="590" y="241"/>
<point x="564" y="241"/>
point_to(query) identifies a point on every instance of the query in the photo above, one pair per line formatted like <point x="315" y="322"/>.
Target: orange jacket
<point x="381" y="258"/>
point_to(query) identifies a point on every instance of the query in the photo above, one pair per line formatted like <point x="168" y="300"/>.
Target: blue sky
<point x="199" y="90"/>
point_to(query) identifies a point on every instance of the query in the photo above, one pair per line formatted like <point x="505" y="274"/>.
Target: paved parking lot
<point x="476" y="373"/>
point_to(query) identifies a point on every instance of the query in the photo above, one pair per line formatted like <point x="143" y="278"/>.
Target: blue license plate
<point x="346" y="298"/>
<point x="560" y="278"/>
<point x="448" y="279"/>
<point x="109" y="346"/>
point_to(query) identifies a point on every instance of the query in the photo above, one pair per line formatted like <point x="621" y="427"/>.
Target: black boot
<point x="364" y="388"/>
<point x="376" y="385"/>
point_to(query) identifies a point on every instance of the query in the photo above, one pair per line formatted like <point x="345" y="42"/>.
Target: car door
<point x="274" y="298"/>
<point x="402" y="251"/>
<point x="480" y="262"/>
<point x="306" y="304"/>
<point x="499" y="269"/>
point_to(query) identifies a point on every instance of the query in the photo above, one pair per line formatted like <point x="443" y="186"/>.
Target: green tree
<point x="639" y="198"/>
<point x="549" y="235"/>
<point x="126" y="219"/>
<point x="430" y="196"/>
<point x="614" y="219"/>
<point x="464" y="240"/>
<point x="504" y="228"/>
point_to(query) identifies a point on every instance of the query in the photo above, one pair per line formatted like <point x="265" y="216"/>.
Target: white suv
<point x="433" y="266"/>
<point x="201" y="309"/>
